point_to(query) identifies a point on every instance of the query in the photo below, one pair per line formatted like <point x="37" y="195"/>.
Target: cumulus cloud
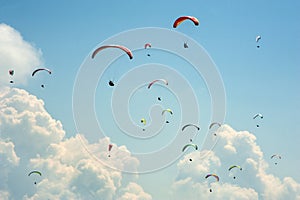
<point x="252" y="182"/>
<point x="134" y="192"/>
<point x="32" y="140"/>
<point x="16" y="54"/>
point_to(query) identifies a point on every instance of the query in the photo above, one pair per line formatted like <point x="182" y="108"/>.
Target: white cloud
<point x="134" y="192"/>
<point x="253" y="182"/>
<point x="4" y="195"/>
<point x="17" y="54"/>
<point x="32" y="140"/>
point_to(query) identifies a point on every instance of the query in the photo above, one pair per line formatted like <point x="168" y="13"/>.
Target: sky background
<point x="61" y="35"/>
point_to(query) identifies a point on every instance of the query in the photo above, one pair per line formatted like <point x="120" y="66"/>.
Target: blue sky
<point x="263" y="80"/>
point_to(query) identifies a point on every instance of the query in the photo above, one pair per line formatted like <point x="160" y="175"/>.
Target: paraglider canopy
<point x="129" y="53"/>
<point x="188" y="125"/>
<point x="214" y="175"/>
<point x="40" y="69"/>
<point x="11" y="72"/>
<point x="190" y="145"/>
<point x="167" y="110"/>
<point x="35" y="172"/>
<point x="258" y="115"/>
<point x="111" y="83"/>
<point x="213" y="124"/>
<point x="147" y="45"/>
<point x="183" y="18"/>
<point x="162" y="80"/>
<point x="185" y="45"/>
<point x="276" y="156"/>
<point x="143" y="120"/>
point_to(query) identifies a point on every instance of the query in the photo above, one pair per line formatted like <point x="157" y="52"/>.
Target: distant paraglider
<point x="109" y="149"/>
<point x="158" y="80"/>
<point x="41" y="69"/>
<point x="183" y="18"/>
<point x="147" y="45"/>
<point x="214" y="124"/>
<point x="258" y="115"/>
<point x="35" y="172"/>
<point x="143" y="121"/>
<point x="129" y="53"/>
<point x="235" y="166"/>
<point x="188" y="125"/>
<point x="111" y="83"/>
<point x="257" y="39"/>
<point x="167" y="110"/>
<point x="212" y="175"/>
<point x="190" y="145"/>
<point x="185" y="45"/>
<point x="275" y="156"/>
<point x="11" y="72"/>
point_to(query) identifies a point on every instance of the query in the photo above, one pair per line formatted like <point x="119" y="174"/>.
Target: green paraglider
<point x="190" y="145"/>
<point x="35" y="172"/>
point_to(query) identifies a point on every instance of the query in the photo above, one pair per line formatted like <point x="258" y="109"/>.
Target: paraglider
<point x="185" y="45"/>
<point x="235" y="166"/>
<point x="190" y="145"/>
<point x="258" y="115"/>
<point x="276" y="156"/>
<point x="213" y="175"/>
<point x="187" y="125"/>
<point x="111" y="83"/>
<point x="147" y="45"/>
<point x="167" y="110"/>
<point x="158" y="80"/>
<point x="213" y="124"/>
<point x="35" y="172"/>
<point x="11" y="73"/>
<point x="41" y="69"/>
<point x="183" y="18"/>
<point x="109" y="148"/>
<point x="190" y="125"/>
<point x="257" y="39"/>
<point x="129" y="53"/>
<point x="143" y="120"/>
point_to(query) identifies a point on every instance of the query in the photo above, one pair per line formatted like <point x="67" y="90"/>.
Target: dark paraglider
<point x="111" y="83"/>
